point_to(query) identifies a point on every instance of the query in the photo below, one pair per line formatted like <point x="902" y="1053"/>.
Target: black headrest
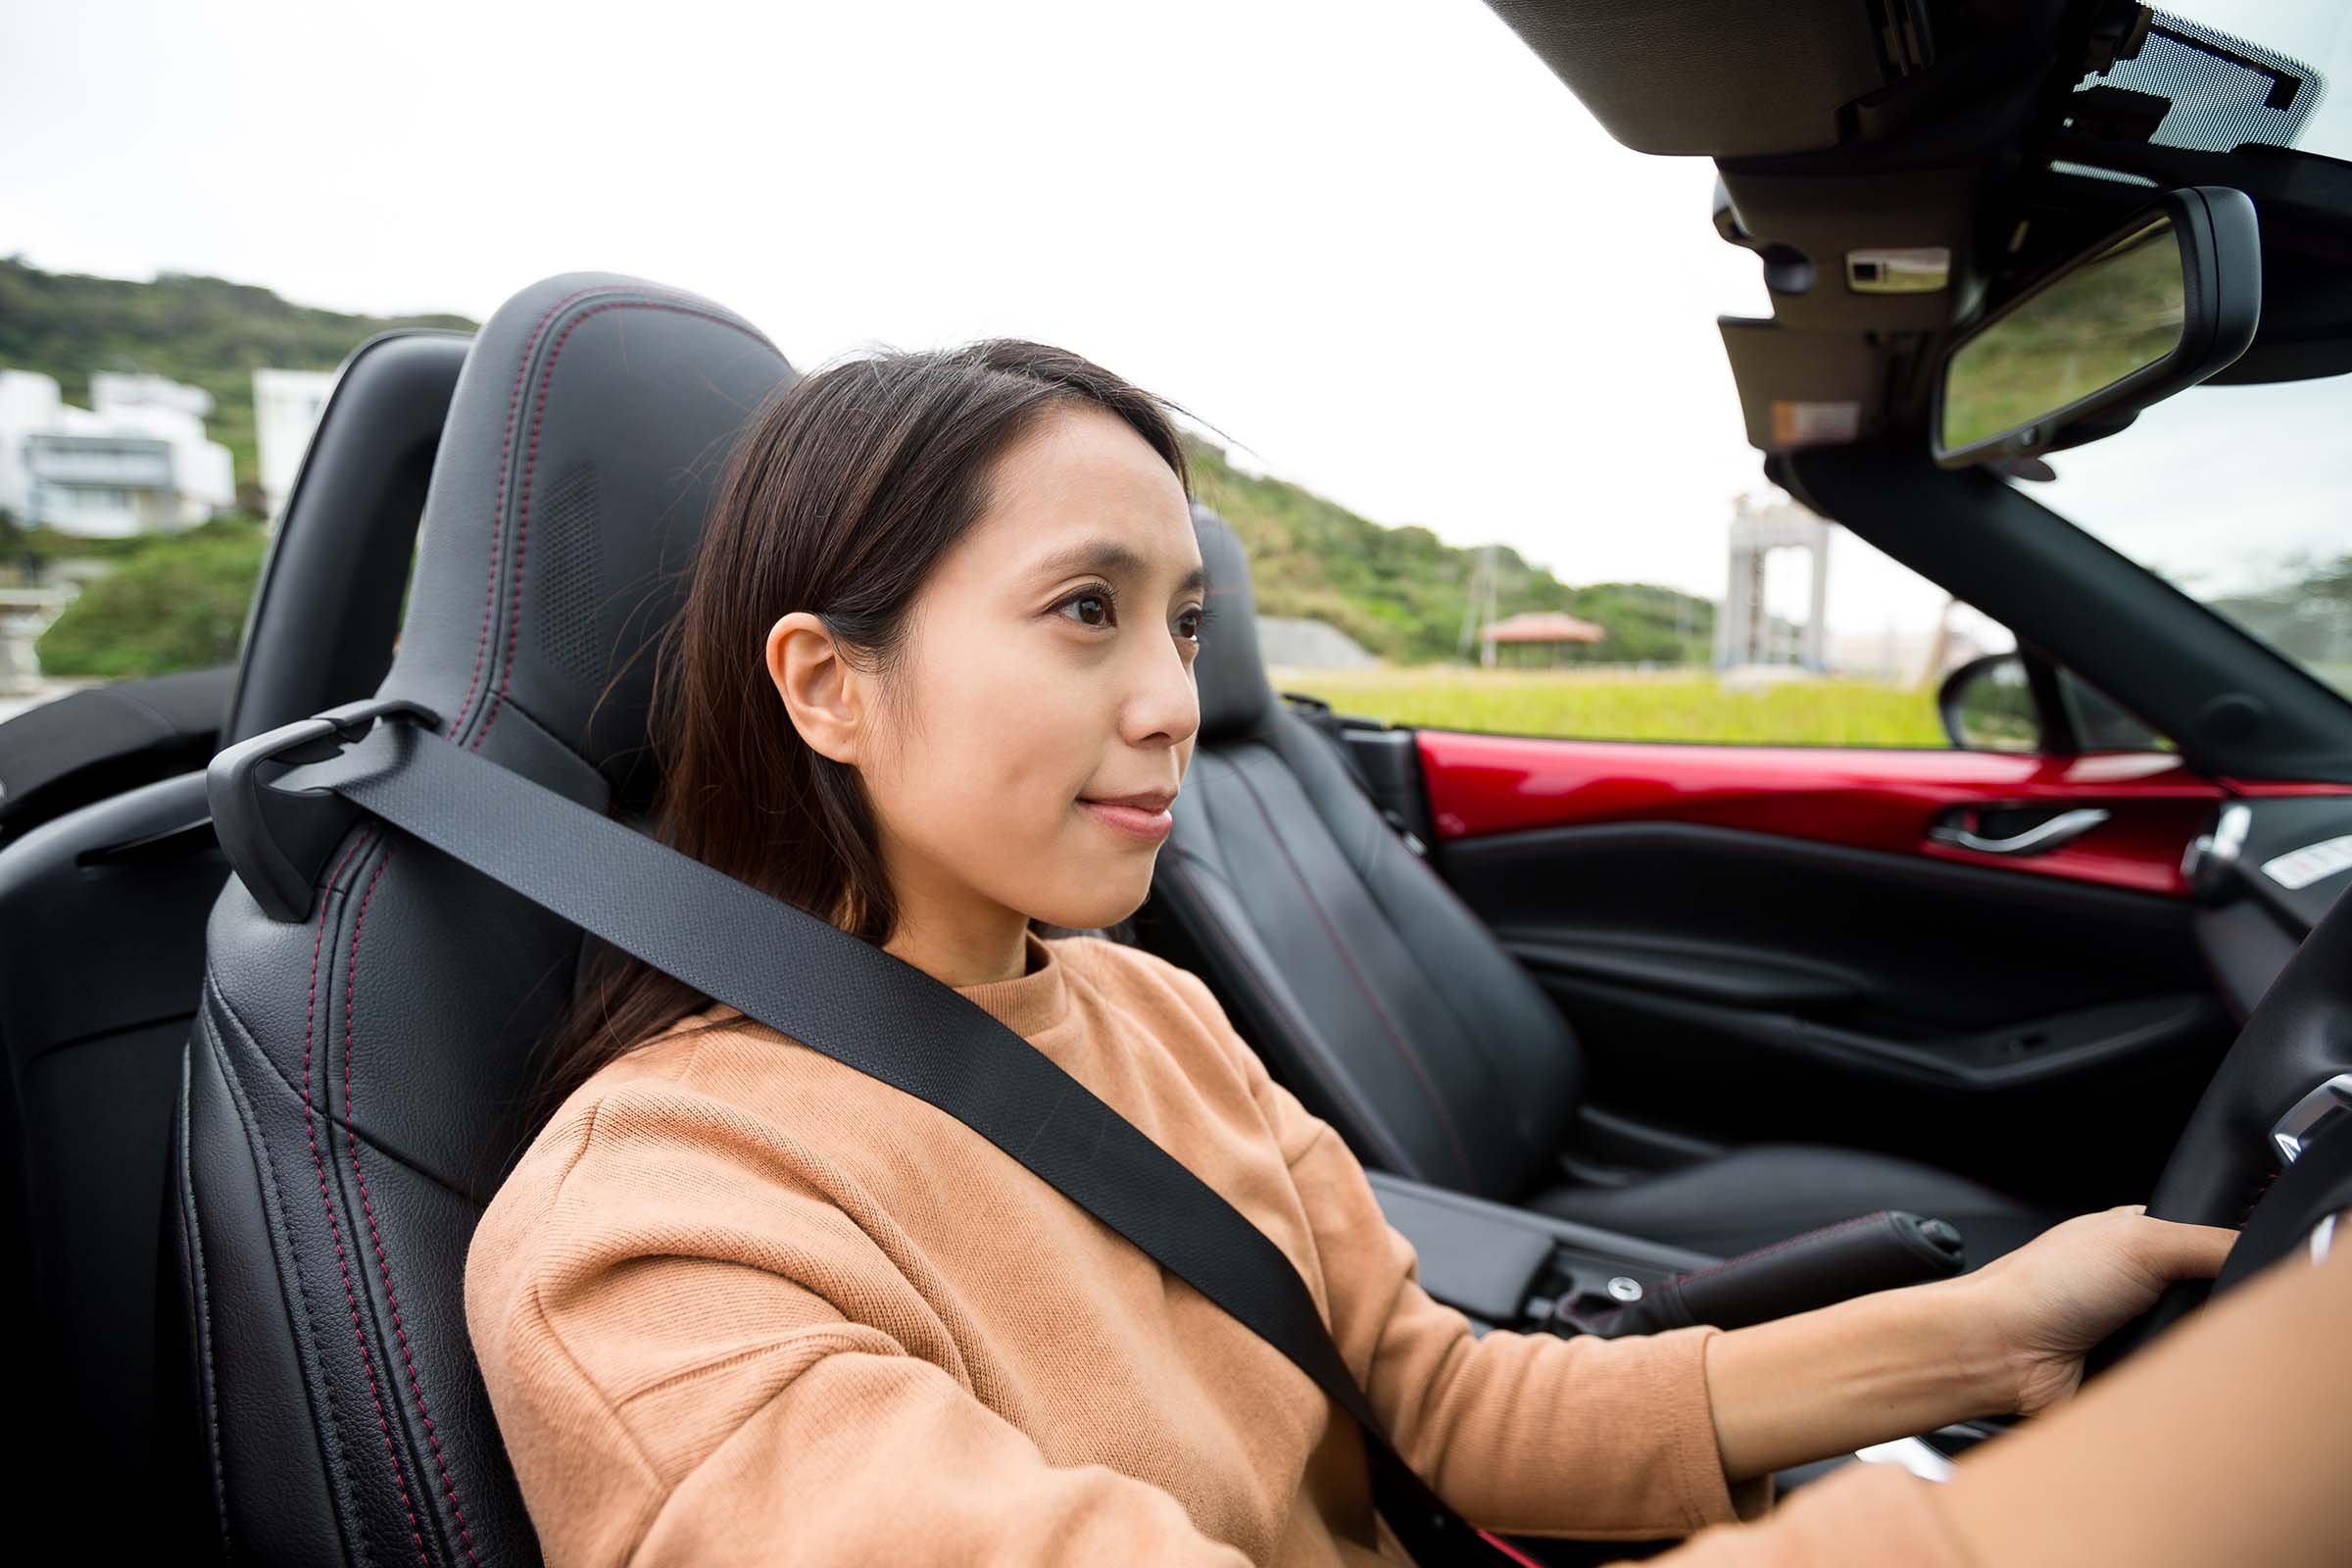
<point x="593" y="416"/>
<point x="328" y="607"/>
<point x="1234" y="698"/>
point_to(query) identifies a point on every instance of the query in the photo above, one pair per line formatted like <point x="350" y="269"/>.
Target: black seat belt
<point x="843" y="997"/>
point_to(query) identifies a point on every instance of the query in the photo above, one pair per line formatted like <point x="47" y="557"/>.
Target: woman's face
<point x="1029" y="739"/>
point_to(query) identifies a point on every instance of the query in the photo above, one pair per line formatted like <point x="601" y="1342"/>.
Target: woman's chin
<point x="1109" y="898"/>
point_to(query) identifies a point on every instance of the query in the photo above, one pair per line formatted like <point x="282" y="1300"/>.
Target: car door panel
<point x="1867" y="798"/>
<point x="1767" y="944"/>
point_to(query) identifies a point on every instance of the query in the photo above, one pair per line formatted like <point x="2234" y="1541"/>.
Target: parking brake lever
<point x="1853" y="1258"/>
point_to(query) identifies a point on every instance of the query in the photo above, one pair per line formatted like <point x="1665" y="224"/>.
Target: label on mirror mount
<point x="1898" y="270"/>
<point x="1810" y="424"/>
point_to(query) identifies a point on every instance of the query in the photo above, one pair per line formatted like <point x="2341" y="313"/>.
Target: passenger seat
<point x="1387" y="1006"/>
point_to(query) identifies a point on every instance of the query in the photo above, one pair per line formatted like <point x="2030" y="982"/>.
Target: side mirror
<point x="1994" y="704"/>
<point x="1987" y="705"/>
<point x="2165" y="300"/>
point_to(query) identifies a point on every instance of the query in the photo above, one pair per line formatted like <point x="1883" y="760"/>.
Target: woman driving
<point x="740" y="1303"/>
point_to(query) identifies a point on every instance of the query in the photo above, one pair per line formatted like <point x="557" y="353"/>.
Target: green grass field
<point x="1617" y="704"/>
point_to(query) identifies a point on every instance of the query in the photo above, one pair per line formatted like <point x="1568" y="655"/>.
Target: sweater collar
<point x="1032" y="1001"/>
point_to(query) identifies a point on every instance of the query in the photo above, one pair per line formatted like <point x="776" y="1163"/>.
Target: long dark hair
<point x="845" y="491"/>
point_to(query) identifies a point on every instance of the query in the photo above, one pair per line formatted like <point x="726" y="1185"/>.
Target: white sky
<point x="1374" y="240"/>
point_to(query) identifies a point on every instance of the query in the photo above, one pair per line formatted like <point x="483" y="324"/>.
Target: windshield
<point x="2240" y="496"/>
<point x="2242" y="71"/>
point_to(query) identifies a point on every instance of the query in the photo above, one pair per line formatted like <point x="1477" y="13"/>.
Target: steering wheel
<point x="2285" y="1084"/>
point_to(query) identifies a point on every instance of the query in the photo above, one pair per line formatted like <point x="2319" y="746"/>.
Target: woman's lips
<point x="1134" y="820"/>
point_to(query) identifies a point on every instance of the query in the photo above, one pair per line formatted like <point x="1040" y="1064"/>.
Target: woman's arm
<point x="2008" y="1338"/>
<point x="1660" y="1435"/>
<point x="1840" y="1378"/>
<point x="1528" y="1434"/>
<point x="2225" y="1442"/>
<point x="2222" y="1443"/>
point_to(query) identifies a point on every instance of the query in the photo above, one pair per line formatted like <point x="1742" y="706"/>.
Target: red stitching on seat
<point x="351" y="983"/>
<point x="1412" y="1059"/>
<point x="498" y="508"/>
<point x="523" y="526"/>
<point x="311" y="1126"/>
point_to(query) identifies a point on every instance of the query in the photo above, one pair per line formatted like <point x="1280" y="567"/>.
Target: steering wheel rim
<point x="2297" y="1038"/>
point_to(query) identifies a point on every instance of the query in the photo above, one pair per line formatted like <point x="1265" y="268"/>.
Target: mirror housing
<point x="1989" y="704"/>
<point x="2220" y="258"/>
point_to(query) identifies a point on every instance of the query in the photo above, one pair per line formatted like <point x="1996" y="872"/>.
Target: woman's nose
<point x="1164" y="705"/>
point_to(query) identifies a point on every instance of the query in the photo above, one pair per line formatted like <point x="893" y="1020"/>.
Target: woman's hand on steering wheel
<point x="2047" y="1303"/>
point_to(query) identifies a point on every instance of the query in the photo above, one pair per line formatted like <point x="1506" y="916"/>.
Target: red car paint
<point x="1867" y="798"/>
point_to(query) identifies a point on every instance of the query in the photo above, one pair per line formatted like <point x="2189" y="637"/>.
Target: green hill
<point x="1399" y="592"/>
<point x="205" y="331"/>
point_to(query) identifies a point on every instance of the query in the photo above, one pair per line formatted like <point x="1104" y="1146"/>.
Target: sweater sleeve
<point x="677" y="1384"/>
<point x="1856" y="1517"/>
<point x="1526" y="1434"/>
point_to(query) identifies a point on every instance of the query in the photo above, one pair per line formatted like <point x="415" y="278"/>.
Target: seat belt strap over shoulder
<point x="813" y="982"/>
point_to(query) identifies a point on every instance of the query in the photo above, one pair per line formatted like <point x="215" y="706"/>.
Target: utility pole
<point x="1477" y="603"/>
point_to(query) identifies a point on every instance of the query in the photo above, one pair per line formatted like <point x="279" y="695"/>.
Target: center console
<point x="1507" y="1267"/>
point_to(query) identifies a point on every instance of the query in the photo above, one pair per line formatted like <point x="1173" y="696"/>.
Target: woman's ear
<point x="823" y="694"/>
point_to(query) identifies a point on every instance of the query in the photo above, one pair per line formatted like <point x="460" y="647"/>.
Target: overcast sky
<point x="1374" y="240"/>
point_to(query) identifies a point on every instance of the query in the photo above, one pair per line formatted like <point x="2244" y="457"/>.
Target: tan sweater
<point x="741" y="1304"/>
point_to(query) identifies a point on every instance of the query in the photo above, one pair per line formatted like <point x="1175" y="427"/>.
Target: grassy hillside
<point x="1401" y="592"/>
<point x="205" y="331"/>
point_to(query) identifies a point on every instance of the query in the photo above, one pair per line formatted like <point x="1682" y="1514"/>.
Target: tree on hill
<point x="177" y="604"/>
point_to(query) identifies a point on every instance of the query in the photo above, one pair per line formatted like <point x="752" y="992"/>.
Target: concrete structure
<point x="135" y="461"/>
<point x="287" y="405"/>
<point x="25" y="614"/>
<point x="1290" y="642"/>
<point x="1533" y="630"/>
<point x="1744" y="631"/>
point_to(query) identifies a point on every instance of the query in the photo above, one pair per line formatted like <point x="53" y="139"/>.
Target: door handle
<point x="1958" y="830"/>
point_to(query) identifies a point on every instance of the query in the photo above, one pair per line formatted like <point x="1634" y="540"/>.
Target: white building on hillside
<point x="287" y="405"/>
<point x="135" y="461"/>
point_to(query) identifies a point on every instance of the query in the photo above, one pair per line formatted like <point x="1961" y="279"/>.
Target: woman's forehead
<point x="1086" y="483"/>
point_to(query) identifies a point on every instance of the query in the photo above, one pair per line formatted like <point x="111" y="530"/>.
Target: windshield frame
<point x="2235" y="707"/>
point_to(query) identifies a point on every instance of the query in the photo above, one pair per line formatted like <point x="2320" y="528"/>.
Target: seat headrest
<point x="1235" y="696"/>
<point x="590" y="424"/>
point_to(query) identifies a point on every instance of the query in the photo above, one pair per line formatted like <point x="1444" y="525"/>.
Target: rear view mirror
<point x="2162" y="303"/>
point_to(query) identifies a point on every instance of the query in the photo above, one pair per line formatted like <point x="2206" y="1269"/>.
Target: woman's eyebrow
<point x="1108" y="558"/>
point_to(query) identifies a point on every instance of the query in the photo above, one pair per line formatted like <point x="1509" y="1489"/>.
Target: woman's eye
<point x="1091" y="608"/>
<point x="1188" y="625"/>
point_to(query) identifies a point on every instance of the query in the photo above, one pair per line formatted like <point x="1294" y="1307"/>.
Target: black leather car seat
<point x="352" y="1091"/>
<point x="104" y="894"/>
<point x="1390" y="1009"/>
